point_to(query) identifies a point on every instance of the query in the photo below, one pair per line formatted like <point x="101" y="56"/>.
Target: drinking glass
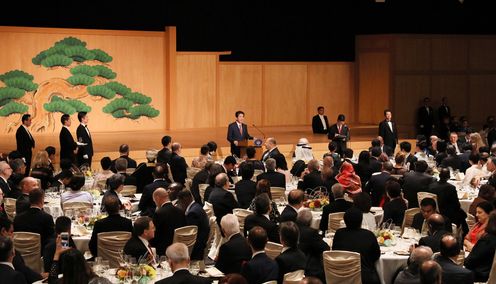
<point x="105" y="266"/>
<point x="194" y="267"/>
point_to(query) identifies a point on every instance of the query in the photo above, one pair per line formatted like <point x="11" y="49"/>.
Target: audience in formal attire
<point x="41" y="169"/>
<point x="395" y="208"/>
<point x="146" y="204"/>
<point x="430" y="272"/>
<point x="18" y="172"/>
<point x="479" y="229"/>
<point x="272" y="150"/>
<point x="245" y="189"/>
<point x="124" y="154"/>
<point x="105" y="173"/>
<point x="295" y="202"/>
<point x="276" y="179"/>
<point x="415" y="182"/>
<point x="363" y="203"/>
<point x="261" y="218"/>
<point x="436" y="225"/>
<point x="312" y="177"/>
<point x="250" y="159"/>
<point x="74" y="192"/>
<point x="164" y="155"/>
<point x="410" y="160"/>
<point x="303" y="151"/>
<point x="178" y="164"/>
<point x="428" y="207"/>
<point x="7" y="270"/>
<point x="121" y="168"/>
<point x="260" y="268"/>
<point x="200" y="177"/>
<point x="263" y="186"/>
<point x="62" y="225"/>
<point x="481" y="257"/>
<point x="486" y="193"/>
<point x="234" y="252"/>
<point x="222" y="200"/>
<point x="349" y="180"/>
<point x="452" y="272"/>
<point x="229" y="166"/>
<point x="338" y="205"/>
<point x="5" y="173"/>
<point x="27" y="185"/>
<point x="201" y="161"/>
<point x="115" y="186"/>
<point x="215" y="169"/>
<point x="282" y="167"/>
<point x="475" y="169"/>
<point x="291" y="256"/>
<point x="376" y="186"/>
<point x="399" y="165"/>
<point x="411" y="273"/>
<point x="138" y="246"/>
<point x="363" y="168"/>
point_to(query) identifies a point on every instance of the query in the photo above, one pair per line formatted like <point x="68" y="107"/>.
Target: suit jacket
<point x="364" y="242"/>
<point x="312" y="245"/>
<point x="275" y="178"/>
<point x="452" y="161"/>
<point x="82" y="136"/>
<point x="433" y="241"/>
<point x="338" y="205"/>
<point x="233" y="134"/>
<point x="223" y="202"/>
<point x="178" y="168"/>
<point x="395" y="210"/>
<point x="197" y="216"/>
<point x="130" y="163"/>
<point x="390" y="137"/>
<point x="288" y="214"/>
<point x="232" y="254"/>
<point x="418" y="222"/>
<point x="245" y="192"/>
<point x="310" y="181"/>
<point x="110" y="224"/>
<point x="260" y="269"/>
<point x="426" y="119"/>
<point x="184" y="277"/>
<point x="146" y="204"/>
<point x="9" y="275"/>
<point x="414" y="182"/>
<point x="21" y="267"/>
<point x="260" y="220"/>
<point x="388" y="150"/>
<point x="67" y="145"/>
<point x="376" y="187"/>
<point x="453" y="273"/>
<point x="164" y="156"/>
<point x="25" y="144"/>
<point x="199" y="178"/>
<point x="443" y="111"/>
<point x="270" y="154"/>
<point x="288" y="261"/>
<point x="411" y="159"/>
<point x="480" y="259"/>
<point x="135" y="247"/>
<point x="340" y="141"/>
<point x="22" y="203"/>
<point x="35" y="220"/>
<point x="448" y="202"/>
<point x="166" y="219"/>
<point x="318" y="127"/>
<point x="5" y="186"/>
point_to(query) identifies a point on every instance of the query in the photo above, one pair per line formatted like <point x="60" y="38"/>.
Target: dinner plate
<point x="402" y="252"/>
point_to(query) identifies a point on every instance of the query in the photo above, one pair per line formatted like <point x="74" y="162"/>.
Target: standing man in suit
<point x="25" y="141"/>
<point x="271" y="146"/>
<point x="444" y="111"/>
<point x="67" y="145"/>
<point x="164" y="155"/>
<point x="260" y="268"/>
<point x="7" y="271"/>
<point x="320" y="124"/>
<point x="178" y="164"/>
<point x="388" y="131"/>
<point x="340" y="134"/>
<point x="425" y="118"/>
<point x="237" y="131"/>
<point x="139" y="244"/>
<point x="85" y="151"/>
<point x="452" y="273"/>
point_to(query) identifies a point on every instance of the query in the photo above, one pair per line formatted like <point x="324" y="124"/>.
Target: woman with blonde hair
<point x="41" y="169"/>
<point x="476" y="142"/>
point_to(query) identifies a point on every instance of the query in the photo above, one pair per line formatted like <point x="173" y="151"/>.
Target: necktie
<point x="87" y="130"/>
<point x="339" y="129"/>
<point x="240" y="129"/>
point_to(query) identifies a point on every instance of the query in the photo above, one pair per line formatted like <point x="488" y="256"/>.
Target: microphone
<point x="259" y="130"/>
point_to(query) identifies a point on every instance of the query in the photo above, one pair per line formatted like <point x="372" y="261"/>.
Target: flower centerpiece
<point x="316" y="198"/>
<point x="123" y="273"/>
<point x="385" y="238"/>
<point x="316" y="204"/>
<point x="147" y="273"/>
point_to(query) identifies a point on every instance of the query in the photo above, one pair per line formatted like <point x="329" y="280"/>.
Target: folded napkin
<point x="214" y="272"/>
<point x="79" y="230"/>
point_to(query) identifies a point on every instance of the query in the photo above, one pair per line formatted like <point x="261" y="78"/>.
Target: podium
<point x="250" y="143"/>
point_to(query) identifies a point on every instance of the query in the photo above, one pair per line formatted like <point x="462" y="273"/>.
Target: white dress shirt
<point x="321" y="116"/>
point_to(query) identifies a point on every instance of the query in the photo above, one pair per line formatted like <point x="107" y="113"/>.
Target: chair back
<point x="10" y="207"/>
<point x="422" y="194"/>
<point x="211" y="234"/>
<point x="130" y="171"/>
<point x="192" y="171"/>
<point x="471" y="220"/>
<point x="186" y="235"/>
<point x="270" y="282"/>
<point x="255" y="174"/>
<point x="209" y="209"/>
<point x="110" y="245"/>
<point x="273" y="249"/>
<point x="187" y="183"/>
<point x="201" y="188"/>
<point x="241" y="215"/>
<point x="29" y="245"/>
<point x="128" y="190"/>
<point x="169" y="173"/>
<point x="492" y="273"/>
<point x="334" y="222"/>
<point x="408" y="218"/>
<point x="342" y="267"/>
<point x="101" y="184"/>
<point x="278" y="192"/>
<point x="76" y="205"/>
<point x="293" y="277"/>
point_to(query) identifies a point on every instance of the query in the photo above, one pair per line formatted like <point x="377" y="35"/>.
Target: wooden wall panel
<point x="240" y="88"/>
<point x="374" y="86"/>
<point x="412" y="54"/>
<point x="409" y="91"/>
<point x="285" y="90"/>
<point x="481" y="98"/>
<point x="455" y="88"/>
<point x="195" y="101"/>
<point x="330" y="85"/>
<point x="482" y="55"/>
<point x="449" y="54"/>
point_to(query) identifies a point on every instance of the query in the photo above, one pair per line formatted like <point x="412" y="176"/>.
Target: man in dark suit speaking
<point x="340" y="134"/>
<point x="85" y="152"/>
<point x="25" y="141"/>
<point x="237" y="131"/>
<point x="67" y="144"/>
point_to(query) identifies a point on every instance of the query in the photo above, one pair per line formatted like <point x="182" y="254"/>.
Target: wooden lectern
<point x="250" y="143"/>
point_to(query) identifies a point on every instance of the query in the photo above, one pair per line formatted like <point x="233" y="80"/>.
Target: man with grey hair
<point x="271" y="146"/>
<point x="312" y="178"/>
<point x="411" y="273"/>
<point x="18" y="171"/>
<point x="222" y="200"/>
<point x="27" y="185"/>
<point x="5" y="173"/>
<point x="236" y="250"/>
<point x="275" y="178"/>
<point x="178" y="164"/>
<point x="178" y="258"/>
<point x="121" y="168"/>
<point x="338" y="205"/>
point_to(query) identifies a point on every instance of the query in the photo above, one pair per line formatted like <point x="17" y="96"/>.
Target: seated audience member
<point x="411" y="273"/>
<point x="480" y="259"/>
<point x="312" y="177"/>
<point x="303" y="151"/>
<point x="164" y="155"/>
<point x="27" y="185"/>
<point x="212" y="173"/>
<point x="263" y="186"/>
<point x="34" y="219"/>
<point x="18" y="173"/>
<point x="479" y="229"/>
<point x="363" y="168"/>
<point x="222" y="200"/>
<point x="282" y="166"/>
<point x="114" y="222"/>
<point x="212" y="150"/>
<point x="229" y="167"/>
<point x="376" y="186"/>
<point x="348" y="179"/>
<point x="338" y="205"/>
<point x="195" y="215"/>
<point x="436" y="226"/>
<point x="328" y="174"/>
<point x="41" y="169"/>
<point x="311" y="244"/>
<point x="178" y="164"/>
<point x="233" y="278"/>
<point x="363" y="203"/>
<point x="62" y="225"/>
<point x="291" y="256"/>
<point x="167" y="218"/>
<point x="178" y="258"/>
<point x="5" y="173"/>
<point x="7" y="272"/>
<point x="427" y="208"/>
<point x="295" y="202"/>
<point x="138" y="246"/>
<point x="452" y="272"/>
<point x="353" y="238"/>
<point x="430" y="272"/>
<point x="201" y="161"/>
<point x="260" y="268"/>
<point x="395" y="208"/>
<point x="486" y="193"/>
<point x="121" y="168"/>
<point x="250" y="159"/>
<point x="173" y="189"/>
<point x="261" y="218"/>
<point x="245" y="189"/>
<point x="399" y="165"/>
<point x="115" y="186"/>
<point x="200" y="178"/>
<point x="63" y="180"/>
<point x="276" y="179"/>
<point x="452" y="160"/>
<point x="7" y="231"/>
<point x="74" y="192"/>
<point x="146" y="204"/>
<point x="124" y="154"/>
<point x="234" y="252"/>
<point x="144" y="171"/>
<point x="415" y="182"/>
<point x="475" y="169"/>
<point x="105" y="173"/>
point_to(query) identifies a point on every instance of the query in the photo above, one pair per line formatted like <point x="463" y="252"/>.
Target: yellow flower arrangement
<point x="148" y="271"/>
<point x="385" y="238"/>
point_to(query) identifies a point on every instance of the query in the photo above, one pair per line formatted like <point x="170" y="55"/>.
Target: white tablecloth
<point x="389" y="262"/>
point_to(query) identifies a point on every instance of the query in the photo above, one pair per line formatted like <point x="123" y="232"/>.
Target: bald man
<point x="271" y="146"/>
<point x="27" y="184"/>
<point x="167" y="218"/>
<point x="452" y="272"/>
<point x="430" y="272"/>
<point x="411" y="273"/>
<point x="436" y="231"/>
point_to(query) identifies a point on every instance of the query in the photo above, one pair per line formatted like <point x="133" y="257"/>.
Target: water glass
<point x="194" y="267"/>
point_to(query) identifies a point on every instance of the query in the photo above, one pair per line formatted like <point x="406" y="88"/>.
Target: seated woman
<point x="486" y="193"/>
<point x="201" y="161"/>
<point x="74" y="192"/>
<point x="41" y="169"/>
<point x="250" y="159"/>
<point x="399" y="164"/>
<point x="263" y="186"/>
<point x="483" y="210"/>
<point x="480" y="259"/>
<point x="212" y="150"/>
<point x="106" y="163"/>
<point x="363" y="203"/>
<point x="348" y="179"/>
<point x="303" y="151"/>
<point x="282" y="166"/>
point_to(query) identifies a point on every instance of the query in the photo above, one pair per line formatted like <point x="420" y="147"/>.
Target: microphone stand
<point x="259" y="130"/>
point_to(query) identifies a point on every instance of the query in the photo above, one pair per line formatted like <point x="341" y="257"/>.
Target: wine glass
<point x="164" y="263"/>
<point x="194" y="267"/>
